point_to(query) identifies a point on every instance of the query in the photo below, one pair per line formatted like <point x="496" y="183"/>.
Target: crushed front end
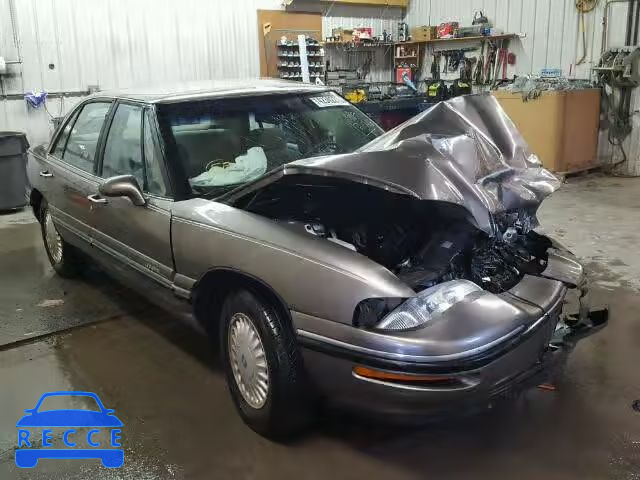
<point x="447" y="204"/>
<point x="482" y="347"/>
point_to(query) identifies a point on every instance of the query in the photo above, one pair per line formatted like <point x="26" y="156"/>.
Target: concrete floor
<point x="167" y="388"/>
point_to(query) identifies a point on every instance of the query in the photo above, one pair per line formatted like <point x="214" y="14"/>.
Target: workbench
<point x="393" y="111"/>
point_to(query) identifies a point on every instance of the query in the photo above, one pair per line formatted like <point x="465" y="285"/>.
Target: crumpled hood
<point x="464" y="151"/>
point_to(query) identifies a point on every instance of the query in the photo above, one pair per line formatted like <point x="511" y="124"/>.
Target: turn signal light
<point x="397" y="377"/>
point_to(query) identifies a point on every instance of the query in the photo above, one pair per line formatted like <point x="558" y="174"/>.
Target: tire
<point x="65" y="261"/>
<point x="284" y="407"/>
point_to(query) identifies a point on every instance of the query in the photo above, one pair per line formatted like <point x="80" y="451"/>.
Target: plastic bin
<point x="13" y="170"/>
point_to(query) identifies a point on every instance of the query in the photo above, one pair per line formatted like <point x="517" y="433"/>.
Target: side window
<point x="152" y="158"/>
<point x="123" y="150"/>
<point x="61" y="141"/>
<point x="83" y="138"/>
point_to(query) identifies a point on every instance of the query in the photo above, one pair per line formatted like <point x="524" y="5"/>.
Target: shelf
<point x="358" y="45"/>
<point x="279" y="45"/>
<point x="380" y="3"/>
<point x="406" y="56"/>
<point x="470" y="39"/>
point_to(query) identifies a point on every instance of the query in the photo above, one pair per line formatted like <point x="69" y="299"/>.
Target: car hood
<point x="464" y="151"/>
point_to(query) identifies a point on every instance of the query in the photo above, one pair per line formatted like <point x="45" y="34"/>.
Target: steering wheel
<point x="213" y="163"/>
<point x="322" y="146"/>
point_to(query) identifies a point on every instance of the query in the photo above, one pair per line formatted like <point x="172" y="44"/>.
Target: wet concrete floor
<point x="166" y="385"/>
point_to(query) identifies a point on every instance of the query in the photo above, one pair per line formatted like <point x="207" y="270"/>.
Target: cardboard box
<point x="342" y="35"/>
<point x="560" y="127"/>
<point x="363" y="33"/>
<point x="423" y="33"/>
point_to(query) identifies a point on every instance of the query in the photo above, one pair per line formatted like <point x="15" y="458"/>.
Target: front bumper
<point x="476" y="382"/>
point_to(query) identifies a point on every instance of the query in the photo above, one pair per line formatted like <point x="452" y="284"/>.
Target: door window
<point x="80" y="150"/>
<point x="123" y="150"/>
<point x="61" y="141"/>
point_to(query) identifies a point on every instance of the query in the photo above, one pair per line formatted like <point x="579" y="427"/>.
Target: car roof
<point x="185" y="91"/>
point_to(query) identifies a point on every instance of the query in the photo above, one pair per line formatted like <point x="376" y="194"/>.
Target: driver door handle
<point x="96" y="198"/>
<point x="46" y="174"/>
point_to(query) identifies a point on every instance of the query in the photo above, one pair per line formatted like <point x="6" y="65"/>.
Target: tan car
<point x="397" y="273"/>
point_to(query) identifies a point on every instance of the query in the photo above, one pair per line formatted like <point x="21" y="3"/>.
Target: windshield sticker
<point x="329" y="99"/>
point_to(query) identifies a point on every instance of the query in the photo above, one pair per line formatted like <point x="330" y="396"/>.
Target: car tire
<point x="64" y="259"/>
<point x="284" y="407"/>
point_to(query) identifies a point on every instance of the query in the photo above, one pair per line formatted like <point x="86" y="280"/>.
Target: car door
<point x="70" y="169"/>
<point x="138" y="237"/>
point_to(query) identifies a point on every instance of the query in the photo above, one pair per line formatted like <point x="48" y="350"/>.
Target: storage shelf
<point x="358" y="45"/>
<point x="470" y="39"/>
<point x="296" y="45"/>
<point x="406" y="56"/>
<point x="312" y="55"/>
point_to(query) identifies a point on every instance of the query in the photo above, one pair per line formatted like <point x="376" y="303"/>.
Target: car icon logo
<point x="71" y="422"/>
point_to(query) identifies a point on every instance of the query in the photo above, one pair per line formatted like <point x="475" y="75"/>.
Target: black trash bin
<point x="13" y="170"/>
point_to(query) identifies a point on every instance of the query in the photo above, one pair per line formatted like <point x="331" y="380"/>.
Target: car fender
<point x="311" y="275"/>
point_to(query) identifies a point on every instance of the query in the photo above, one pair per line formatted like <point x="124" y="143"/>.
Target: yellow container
<point x="560" y="127"/>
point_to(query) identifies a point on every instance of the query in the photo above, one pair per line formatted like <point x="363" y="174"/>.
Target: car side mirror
<point x="123" y="186"/>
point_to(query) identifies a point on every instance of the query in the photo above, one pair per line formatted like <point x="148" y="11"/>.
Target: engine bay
<point x="423" y="243"/>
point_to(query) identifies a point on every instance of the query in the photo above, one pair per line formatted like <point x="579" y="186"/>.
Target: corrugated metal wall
<point x="553" y="39"/>
<point x="120" y="43"/>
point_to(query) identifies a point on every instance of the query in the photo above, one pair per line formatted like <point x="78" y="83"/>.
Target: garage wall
<point x="116" y="44"/>
<point x="380" y="18"/>
<point x="121" y="43"/>
<point x="553" y="40"/>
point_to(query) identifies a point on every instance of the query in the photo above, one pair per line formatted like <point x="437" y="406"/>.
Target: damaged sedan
<point x="396" y="273"/>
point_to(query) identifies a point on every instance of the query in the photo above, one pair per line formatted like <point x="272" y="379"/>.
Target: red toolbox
<point x="447" y="30"/>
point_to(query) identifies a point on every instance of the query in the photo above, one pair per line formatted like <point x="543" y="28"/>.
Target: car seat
<point x="198" y="148"/>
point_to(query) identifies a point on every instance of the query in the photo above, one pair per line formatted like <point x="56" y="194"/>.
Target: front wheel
<point x="64" y="259"/>
<point x="263" y="367"/>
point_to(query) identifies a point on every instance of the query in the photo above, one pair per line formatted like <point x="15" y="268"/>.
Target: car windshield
<point x="222" y="144"/>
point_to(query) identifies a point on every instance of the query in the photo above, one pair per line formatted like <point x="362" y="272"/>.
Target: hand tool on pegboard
<point x="503" y="60"/>
<point x="584" y="7"/>
<point x="478" y="72"/>
<point x="435" y="66"/>
<point x="489" y="63"/>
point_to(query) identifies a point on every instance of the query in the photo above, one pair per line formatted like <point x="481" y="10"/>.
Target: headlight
<point x="420" y="309"/>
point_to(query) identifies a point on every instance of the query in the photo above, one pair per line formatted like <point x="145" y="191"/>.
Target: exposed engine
<point x="423" y="242"/>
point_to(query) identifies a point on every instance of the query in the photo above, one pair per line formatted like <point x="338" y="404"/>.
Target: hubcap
<point x="248" y="360"/>
<point x="54" y="242"/>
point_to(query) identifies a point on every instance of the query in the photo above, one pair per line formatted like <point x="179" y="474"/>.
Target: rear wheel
<point x="64" y="259"/>
<point x="263" y="367"/>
